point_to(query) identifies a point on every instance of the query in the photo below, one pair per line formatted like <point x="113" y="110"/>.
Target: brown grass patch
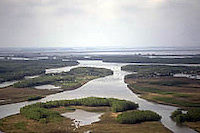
<point x="194" y="125"/>
<point x="109" y="125"/>
<point x="13" y="95"/>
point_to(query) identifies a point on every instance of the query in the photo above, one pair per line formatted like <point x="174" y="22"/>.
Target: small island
<point x="46" y="117"/>
<point x="25" y="89"/>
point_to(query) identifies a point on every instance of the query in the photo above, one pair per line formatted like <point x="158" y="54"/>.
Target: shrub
<point x="132" y="117"/>
<point x="94" y="101"/>
<point x="192" y="115"/>
<point x="122" y="105"/>
<point x="64" y="76"/>
<point x="175" y="113"/>
<point x="116" y="104"/>
<point x="40" y="114"/>
<point x="31" y="98"/>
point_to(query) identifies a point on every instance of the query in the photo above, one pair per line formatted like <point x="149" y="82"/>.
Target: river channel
<point x="110" y="87"/>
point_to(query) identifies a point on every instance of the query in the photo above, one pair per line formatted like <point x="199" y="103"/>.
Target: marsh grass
<point x="192" y="115"/>
<point x="137" y="116"/>
<point x="184" y="95"/>
<point x="34" y="97"/>
<point x="41" y="111"/>
<point x="73" y="78"/>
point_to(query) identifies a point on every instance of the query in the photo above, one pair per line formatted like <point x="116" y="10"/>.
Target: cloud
<point x="99" y="22"/>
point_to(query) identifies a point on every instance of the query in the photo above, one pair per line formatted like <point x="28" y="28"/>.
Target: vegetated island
<point x="76" y="77"/>
<point x="157" y="83"/>
<point x="46" y="117"/>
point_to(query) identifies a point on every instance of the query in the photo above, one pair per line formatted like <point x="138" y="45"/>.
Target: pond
<point x="82" y="118"/>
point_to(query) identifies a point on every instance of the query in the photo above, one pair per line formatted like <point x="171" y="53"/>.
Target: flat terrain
<point x="157" y="84"/>
<point x="20" y="124"/>
<point x="109" y="125"/>
<point x="73" y="79"/>
<point x="181" y="92"/>
<point x="194" y="125"/>
<point x="14" y="95"/>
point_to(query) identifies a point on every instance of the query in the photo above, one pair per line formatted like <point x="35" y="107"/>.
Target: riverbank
<point x="181" y="92"/>
<point x="71" y="80"/>
<point x="184" y="93"/>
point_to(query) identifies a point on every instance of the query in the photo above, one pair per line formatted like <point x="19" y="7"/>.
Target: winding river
<point x="110" y="86"/>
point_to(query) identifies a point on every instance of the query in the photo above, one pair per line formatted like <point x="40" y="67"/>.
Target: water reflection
<point x="82" y="118"/>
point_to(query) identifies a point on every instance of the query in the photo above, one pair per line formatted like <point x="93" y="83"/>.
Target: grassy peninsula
<point x="157" y="84"/>
<point x="73" y="79"/>
<point x="67" y="80"/>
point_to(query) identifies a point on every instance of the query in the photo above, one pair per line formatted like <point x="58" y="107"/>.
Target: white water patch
<point x="171" y="57"/>
<point x="31" y="77"/>
<point x="8" y="83"/>
<point x="59" y="70"/>
<point x="82" y="118"/>
<point x="47" y="87"/>
<point x="181" y="75"/>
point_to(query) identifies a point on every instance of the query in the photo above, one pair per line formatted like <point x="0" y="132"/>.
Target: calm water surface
<point x="82" y="118"/>
<point x="110" y="86"/>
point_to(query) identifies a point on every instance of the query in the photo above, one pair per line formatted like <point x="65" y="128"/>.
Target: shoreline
<point x="145" y="95"/>
<point x="42" y="93"/>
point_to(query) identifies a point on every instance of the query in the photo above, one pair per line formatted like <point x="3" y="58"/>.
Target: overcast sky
<point x="120" y="23"/>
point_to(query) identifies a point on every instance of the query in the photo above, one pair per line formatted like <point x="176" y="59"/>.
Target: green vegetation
<point x="176" y="101"/>
<point x="32" y="98"/>
<point x="145" y="71"/>
<point x="17" y="69"/>
<point x="183" y="95"/>
<point x="137" y="116"/>
<point x="156" y="83"/>
<point x="66" y="80"/>
<point x="192" y="115"/>
<point x="75" y="77"/>
<point x="20" y="124"/>
<point x="44" y="79"/>
<point x="170" y="83"/>
<point x="40" y="112"/>
<point x="142" y="59"/>
<point x="150" y="89"/>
